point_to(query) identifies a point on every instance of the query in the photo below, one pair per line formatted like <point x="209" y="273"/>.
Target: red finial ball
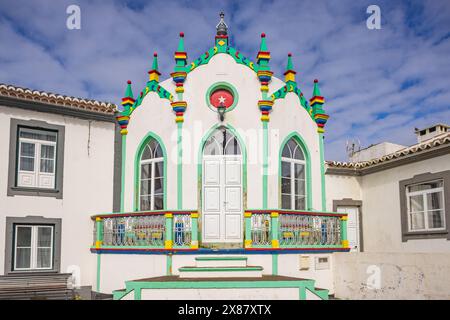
<point x="155" y="54"/>
<point x="129" y="81"/>
<point x="263" y="35"/>
<point x="182" y="34"/>
<point x="315" y="80"/>
<point x="289" y="54"/>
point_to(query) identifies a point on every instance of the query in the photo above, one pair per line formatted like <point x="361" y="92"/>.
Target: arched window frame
<point x="307" y="169"/>
<point x="138" y="163"/>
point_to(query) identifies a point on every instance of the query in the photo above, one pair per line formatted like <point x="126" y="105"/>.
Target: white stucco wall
<point x="409" y="276"/>
<point x="338" y="187"/>
<point x="87" y="186"/>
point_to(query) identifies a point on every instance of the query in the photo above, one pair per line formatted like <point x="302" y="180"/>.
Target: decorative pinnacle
<point x="182" y="34"/>
<point x="263" y="35"/>
<point x="316" y="90"/>
<point x="222" y="27"/>
<point x="128" y="91"/>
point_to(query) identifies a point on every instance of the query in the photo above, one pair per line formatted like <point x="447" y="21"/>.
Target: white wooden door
<point x="222" y="199"/>
<point x="352" y="226"/>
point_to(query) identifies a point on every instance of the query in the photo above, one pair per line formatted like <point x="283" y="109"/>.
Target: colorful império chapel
<point x="212" y="199"/>
<point x="212" y="184"/>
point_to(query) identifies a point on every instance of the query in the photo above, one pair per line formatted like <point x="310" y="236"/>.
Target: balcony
<point x="271" y="230"/>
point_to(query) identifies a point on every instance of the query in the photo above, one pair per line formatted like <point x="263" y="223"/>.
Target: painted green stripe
<point x="208" y="269"/>
<point x="179" y="166"/>
<point x="219" y="258"/>
<point x="122" y="179"/>
<point x="322" y="172"/>
<point x="275" y="264"/>
<point x="98" y="271"/>
<point x="265" y="164"/>
<point x="169" y="264"/>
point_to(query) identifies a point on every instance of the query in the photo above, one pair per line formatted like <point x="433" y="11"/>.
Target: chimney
<point x="431" y="132"/>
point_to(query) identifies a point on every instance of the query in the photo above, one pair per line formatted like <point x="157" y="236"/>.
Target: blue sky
<point x="378" y="84"/>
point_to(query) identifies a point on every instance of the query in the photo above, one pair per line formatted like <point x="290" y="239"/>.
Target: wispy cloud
<point x="378" y="84"/>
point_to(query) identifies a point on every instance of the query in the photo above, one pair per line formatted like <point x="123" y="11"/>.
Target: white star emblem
<point x="222" y="99"/>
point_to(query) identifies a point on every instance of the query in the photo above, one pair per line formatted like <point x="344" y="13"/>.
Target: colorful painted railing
<point x="147" y="230"/>
<point x="295" y="229"/>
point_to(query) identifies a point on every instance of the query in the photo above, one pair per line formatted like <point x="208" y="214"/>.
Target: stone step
<point x="220" y="272"/>
<point x="221" y="261"/>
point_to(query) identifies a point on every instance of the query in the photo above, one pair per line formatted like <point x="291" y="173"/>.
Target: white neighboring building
<point x="399" y="215"/>
<point x="56" y="170"/>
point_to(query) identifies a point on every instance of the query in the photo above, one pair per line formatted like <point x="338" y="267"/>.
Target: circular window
<point x="221" y="97"/>
<point x="221" y="93"/>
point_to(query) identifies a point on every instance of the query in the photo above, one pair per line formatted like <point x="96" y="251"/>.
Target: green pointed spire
<point x="289" y="74"/>
<point x="263" y="46"/>
<point x="155" y="61"/>
<point x="289" y="65"/>
<point x="128" y="91"/>
<point x="181" y="43"/>
<point x="154" y="73"/>
<point x="316" y="91"/>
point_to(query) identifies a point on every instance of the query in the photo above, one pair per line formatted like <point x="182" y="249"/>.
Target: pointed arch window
<point x="222" y="142"/>
<point x="151" y="192"/>
<point x="293" y="181"/>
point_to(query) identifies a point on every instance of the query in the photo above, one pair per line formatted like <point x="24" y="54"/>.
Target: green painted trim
<point x="274" y="228"/>
<point x="248" y="229"/>
<point x="343" y="230"/>
<point x="194" y="232"/>
<point x="222" y="85"/>
<point x="137" y="294"/>
<point x="307" y="155"/>
<point x="200" y="164"/>
<point x="98" y="271"/>
<point x="137" y="167"/>
<point x="222" y="269"/>
<point x="265" y="164"/>
<point x="119" y="294"/>
<point x="122" y="179"/>
<point x="179" y="166"/>
<point x="219" y="258"/>
<point x="302" y="293"/>
<point x="169" y="265"/>
<point x="275" y="264"/>
<point x="218" y="284"/>
<point x="322" y="172"/>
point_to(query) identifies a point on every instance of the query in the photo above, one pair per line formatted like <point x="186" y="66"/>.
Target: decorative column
<point x="99" y="233"/>
<point x="123" y="119"/>
<point x="179" y="107"/>
<point x="274" y="229"/>
<point x="248" y="229"/>
<point x="265" y="106"/>
<point x="168" y="243"/>
<point x="98" y="244"/>
<point x="194" y="232"/>
<point x="319" y="115"/>
<point x="344" y="239"/>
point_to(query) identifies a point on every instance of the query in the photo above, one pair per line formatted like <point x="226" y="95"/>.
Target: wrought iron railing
<point x="182" y="230"/>
<point x="178" y="230"/>
<point x="295" y="229"/>
<point x="260" y="229"/>
<point x="156" y="229"/>
<point x="307" y="230"/>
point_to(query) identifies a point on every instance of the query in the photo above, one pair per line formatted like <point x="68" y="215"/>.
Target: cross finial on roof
<point x="222" y="27"/>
